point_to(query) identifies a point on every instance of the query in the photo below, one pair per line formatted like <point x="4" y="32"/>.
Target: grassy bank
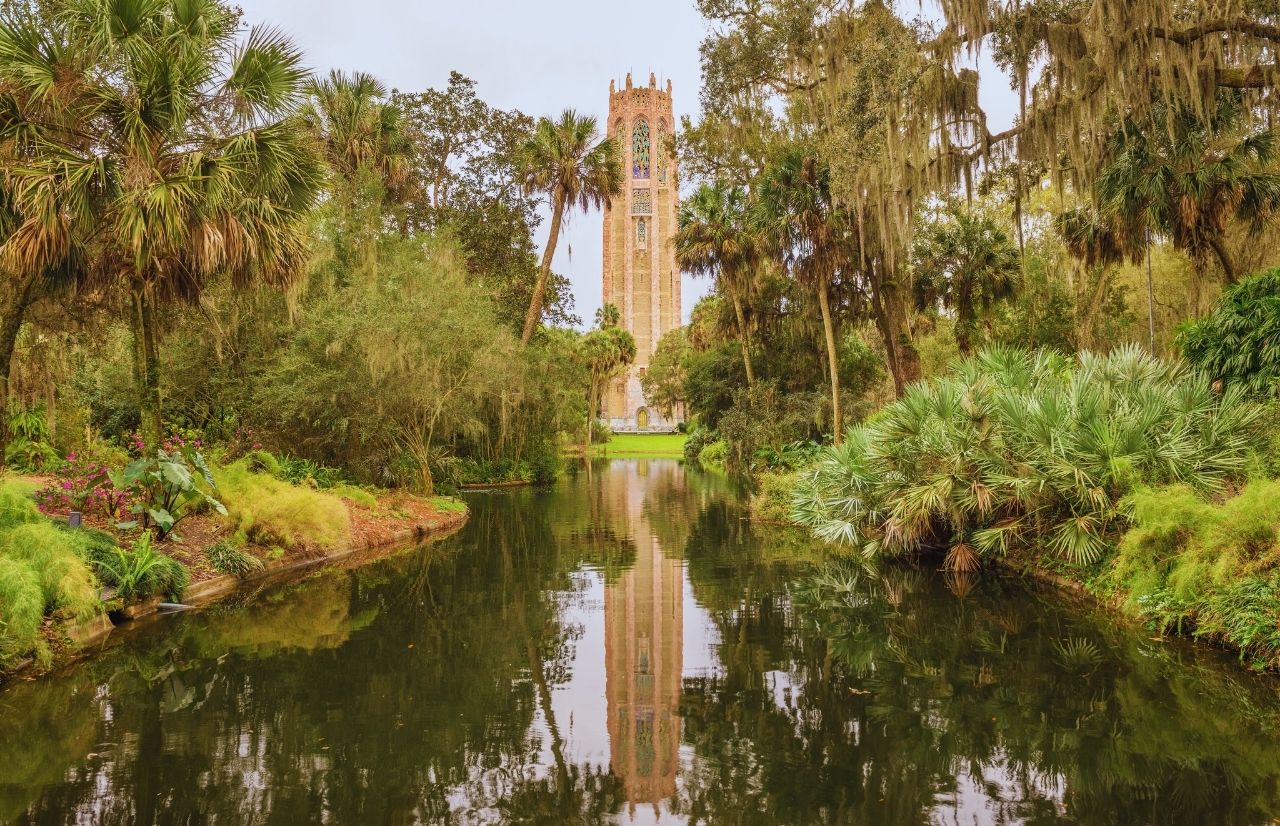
<point x="53" y="577"/>
<point x="642" y="445"/>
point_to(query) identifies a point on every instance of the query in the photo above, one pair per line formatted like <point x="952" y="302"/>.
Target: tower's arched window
<point x="640" y="149"/>
<point x="642" y="234"/>
<point x="661" y="149"/>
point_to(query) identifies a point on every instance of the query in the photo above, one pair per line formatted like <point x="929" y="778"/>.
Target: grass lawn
<point x="653" y="445"/>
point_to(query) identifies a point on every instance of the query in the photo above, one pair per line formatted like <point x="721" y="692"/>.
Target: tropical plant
<point x="228" y="558"/>
<point x="716" y="237"/>
<point x="141" y="571"/>
<point x="1186" y="175"/>
<point x="968" y="264"/>
<point x="797" y="216"/>
<point x="1018" y="451"/>
<point x="364" y="141"/>
<point x="158" y="144"/>
<point x="566" y="161"/>
<point x="28" y="449"/>
<point x="167" y="489"/>
<point x="605" y="351"/>
<point x="1239" y="343"/>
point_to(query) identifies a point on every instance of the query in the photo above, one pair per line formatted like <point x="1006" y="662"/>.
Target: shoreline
<point x="83" y="638"/>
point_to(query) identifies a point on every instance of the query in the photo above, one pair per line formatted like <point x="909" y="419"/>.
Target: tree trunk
<point x="1219" y="246"/>
<point x="743" y="338"/>
<point x="532" y="317"/>
<point x="15" y="310"/>
<point x="147" y="368"/>
<point x="833" y="363"/>
<point x="964" y="336"/>
<point x="891" y="319"/>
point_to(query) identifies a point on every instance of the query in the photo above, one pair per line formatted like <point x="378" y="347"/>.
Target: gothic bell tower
<point x="640" y="273"/>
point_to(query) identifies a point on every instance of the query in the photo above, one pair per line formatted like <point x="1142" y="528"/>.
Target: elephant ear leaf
<point x="201" y="465"/>
<point x="177" y="475"/>
<point x="162" y="518"/>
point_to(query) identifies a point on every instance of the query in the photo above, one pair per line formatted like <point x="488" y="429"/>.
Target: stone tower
<point x="641" y="277"/>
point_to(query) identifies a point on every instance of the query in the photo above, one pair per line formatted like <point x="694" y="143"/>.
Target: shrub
<point x="42" y="569"/>
<point x="1188" y="563"/>
<point x="1239" y="343"/>
<point x="21" y="610"/>
<point x="700" y="438"/>
<point x="1024" y="450"/>
<point x="714" y="454"/>
<point x="142" y="571"/>
<point x="85" y="485"/>
<point x="225" y="556"/>
<point x="772" y="501"/>
<point x="29" y="450"/>
<point x="268" y="511"/>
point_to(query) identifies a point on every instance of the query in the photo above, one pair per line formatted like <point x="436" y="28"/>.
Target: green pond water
<point x="626" y="648"/>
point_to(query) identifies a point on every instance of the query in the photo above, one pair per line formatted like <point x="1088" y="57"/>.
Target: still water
<point x="626" y="648"/>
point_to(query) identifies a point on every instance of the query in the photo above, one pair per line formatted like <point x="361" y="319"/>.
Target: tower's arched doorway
<point x="642" y="419"/>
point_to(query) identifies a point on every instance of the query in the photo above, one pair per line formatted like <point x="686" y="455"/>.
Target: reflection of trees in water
<point x="859" y="699"/>
<point x="1049" y="712"/>
<point x="387" y="694"/>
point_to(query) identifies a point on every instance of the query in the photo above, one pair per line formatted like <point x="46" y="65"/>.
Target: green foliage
<point x="764" y="420"/>
<point x="664" y="382"/>
<point x="772" y="500"/>
<point x="1212" y="567"/>
<point x="167" y="488"/>
<point x="307" y="472"/>
<point x="1023" y="451"/>
<point x="1239" y="343"/>
<point x="42" y="569"/>
<point x="965" y="262"/>
<point x="142" y="571"/>
<point x="29" y="449"/>
<point x="699" y="439"/>
<point x="713" y="456"/>
<point x="268" y="511"/>
<point x="229" y="558"/>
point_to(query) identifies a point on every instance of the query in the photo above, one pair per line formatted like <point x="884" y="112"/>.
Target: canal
<point x="626" y="647"/>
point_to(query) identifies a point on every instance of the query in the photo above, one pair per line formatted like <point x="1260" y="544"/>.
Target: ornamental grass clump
<point x="1211" y="568"/>
<point x="265" y="510"/>
<point x="1025" y="451"/>
<point x="42" y="570"/>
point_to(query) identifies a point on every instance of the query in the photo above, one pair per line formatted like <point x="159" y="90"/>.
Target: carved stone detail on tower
<point x="640" y="273"/>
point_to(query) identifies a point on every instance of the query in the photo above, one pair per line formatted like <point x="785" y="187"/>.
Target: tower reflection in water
<point x="644" y="639"/>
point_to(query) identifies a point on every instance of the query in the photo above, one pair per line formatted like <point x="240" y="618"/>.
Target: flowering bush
<point x="84" y="484"/>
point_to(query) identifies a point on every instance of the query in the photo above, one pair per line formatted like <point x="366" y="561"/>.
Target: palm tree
<point x="364" y="141"/>
<point x="154" y="142"/>
<point x="967" y="264"/>
<point x="795" y="212"/>
<point x="608" y="316"/>
<point x="606" y="351"/>
<point x="566" y="160"/>
<point x="1187" y="178"/>
<point x="716" y="237"/>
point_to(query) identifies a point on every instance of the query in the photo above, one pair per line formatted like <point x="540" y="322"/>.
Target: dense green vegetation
<point x="869" y="231"/>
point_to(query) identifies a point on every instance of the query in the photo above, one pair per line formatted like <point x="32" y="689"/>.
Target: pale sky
<point x="539" y="58"/>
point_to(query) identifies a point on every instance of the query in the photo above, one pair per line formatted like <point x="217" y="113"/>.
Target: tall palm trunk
<point x="146" y="369"/>
<point x="544" y="276"/>
<point x="15" y="308"/>
<point x="743" y="337"/>
<point x="1219" y="247"/>
<point x="829" y="330"/>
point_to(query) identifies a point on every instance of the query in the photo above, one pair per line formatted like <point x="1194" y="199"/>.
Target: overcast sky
<point x="536" y="57"/>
